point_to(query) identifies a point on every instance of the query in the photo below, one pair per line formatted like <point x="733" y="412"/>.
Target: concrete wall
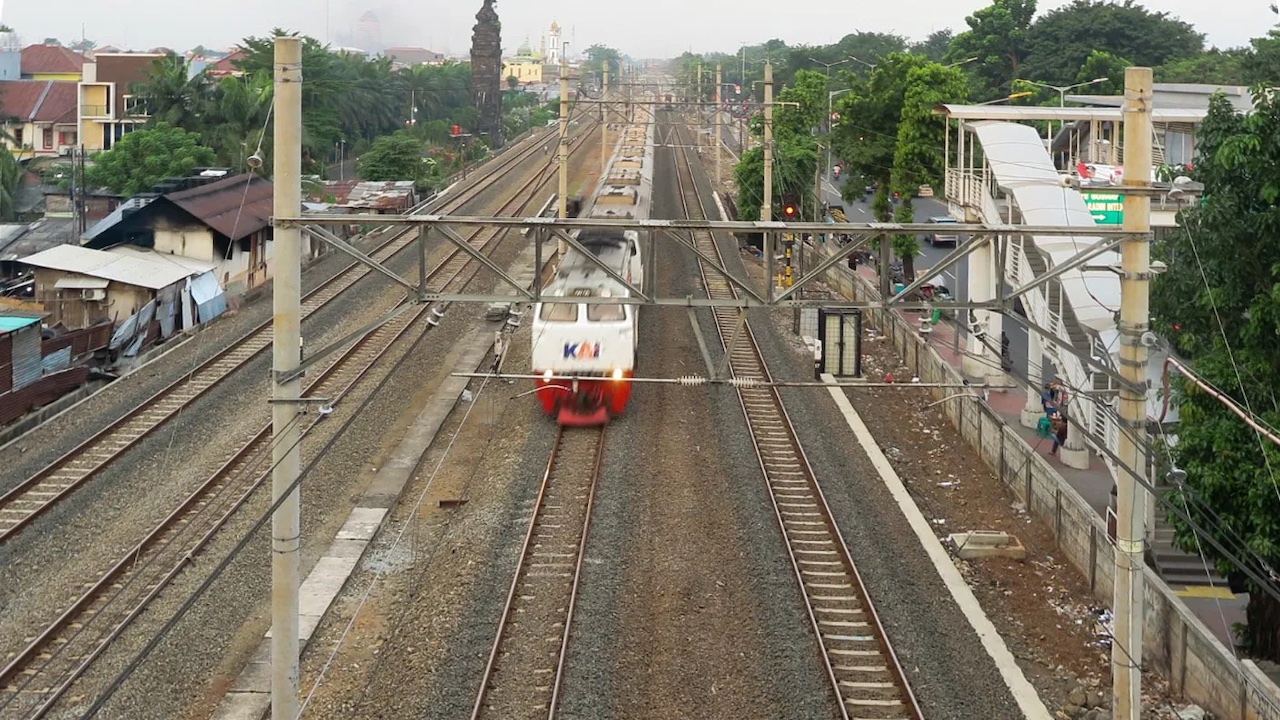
<point x="188" y="240"/>
<point x="1177" y="645"/>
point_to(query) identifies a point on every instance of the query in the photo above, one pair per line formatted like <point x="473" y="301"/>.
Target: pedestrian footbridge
<point x="1001" y="171"/>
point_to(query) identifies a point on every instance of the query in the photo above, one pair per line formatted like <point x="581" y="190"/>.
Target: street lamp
<point x="828" y="66"/>
<point x="1014" y="96"/>
<point x="1062" y="91"/>
<point x="831" y="94"/>
<point x="864" y="62"/>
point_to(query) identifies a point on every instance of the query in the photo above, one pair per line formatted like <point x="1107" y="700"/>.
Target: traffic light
<point x="789" y="208"/>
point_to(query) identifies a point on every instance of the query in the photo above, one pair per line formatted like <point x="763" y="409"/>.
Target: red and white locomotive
<point x="584" y="345"/>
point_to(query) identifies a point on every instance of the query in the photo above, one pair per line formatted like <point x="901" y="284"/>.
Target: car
<point x="940" y="236"/>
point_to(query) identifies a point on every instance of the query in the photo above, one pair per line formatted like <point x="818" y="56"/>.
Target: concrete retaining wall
<point x="1177" y="644"/>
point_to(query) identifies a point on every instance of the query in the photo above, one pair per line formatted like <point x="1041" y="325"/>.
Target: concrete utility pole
<point x="766" y="205"/>
<point x="719" y="150"/>
<point x="1135" y="260"/>
<point x="562" y="200"/>
<point x="286" y="351"/>
<point x="697" y="108"/>
<point x="604" y="120"/>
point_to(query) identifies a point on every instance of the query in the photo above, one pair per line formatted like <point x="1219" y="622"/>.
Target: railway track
<point x="863" y="669"/>
<point x="61" y="478"/>
<point x="35" y="678"/>
<point x="522" y="677"/>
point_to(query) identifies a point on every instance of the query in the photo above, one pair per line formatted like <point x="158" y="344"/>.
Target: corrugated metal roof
<point x="182" y="261"/>
<point x="367" y="194"/>
<point x="9" y="323"/>
<point x="236" y="207"/>
<point x="118" y="267"/>
<point x="110" y="221"/>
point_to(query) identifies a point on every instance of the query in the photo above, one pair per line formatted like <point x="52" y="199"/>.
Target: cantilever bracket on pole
<point x="346" y="247"/>
<point x="573" y="242"/>
<point x="1103" y="245"/>
<point x="465" y="247"/>
<point x="716" y="266"/>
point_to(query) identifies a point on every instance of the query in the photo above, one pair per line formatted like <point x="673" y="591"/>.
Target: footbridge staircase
<point x="1010" y="178"/>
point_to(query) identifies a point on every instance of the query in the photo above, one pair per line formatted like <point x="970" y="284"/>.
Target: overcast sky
<point x="656" y="28"/>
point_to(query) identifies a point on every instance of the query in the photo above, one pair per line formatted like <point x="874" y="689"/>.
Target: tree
<point x="513" y="82"/>
<point x="83" y="45"/>
<point x="1102" y="64"/>
<point x="393" y="157"/>
<point x="1224" y="67"/>
<point x="600" y="55"/>
<point x="51" y="41"/>
<point x="1061" y="40"/>
<point x="1262" y="62"/>
<point x="935" y="46"/>
<point x="794" y="164"/>
<point x="1225" y="321"/>
<point x="11" y="174"/>
<point x="998" y="37"/>
<point x="146" y="157"/>
<point x="171" y="94"/>
<point x="918" y="158"/>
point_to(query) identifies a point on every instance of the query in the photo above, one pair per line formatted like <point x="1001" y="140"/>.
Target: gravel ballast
<point x="212" y="639"/>
<point x="928" y="631"/>
<point x="688" y="608"/>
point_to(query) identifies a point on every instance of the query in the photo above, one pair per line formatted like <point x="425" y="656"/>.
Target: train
<point x="584" y="353"/>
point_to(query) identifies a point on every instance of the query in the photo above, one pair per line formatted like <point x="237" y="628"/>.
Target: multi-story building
<point x="107" y="106"/>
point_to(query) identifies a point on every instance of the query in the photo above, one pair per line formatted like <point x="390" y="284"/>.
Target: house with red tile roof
<point x="52" y="62"/>
<point x="39" y="117"/>
<point x="226" y="67"/>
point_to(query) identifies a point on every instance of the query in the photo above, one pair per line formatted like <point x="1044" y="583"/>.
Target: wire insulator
<point x="691" y="380"/>
<point x="746" y="382"/>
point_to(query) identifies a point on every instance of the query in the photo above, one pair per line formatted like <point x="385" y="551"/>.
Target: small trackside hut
<point x="585" y="352"/>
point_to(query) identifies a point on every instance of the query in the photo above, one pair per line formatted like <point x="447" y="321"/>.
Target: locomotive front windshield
<point x="606" y="313"/>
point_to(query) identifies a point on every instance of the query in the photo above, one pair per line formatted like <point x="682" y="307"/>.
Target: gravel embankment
<point x="431" y="620"/>
<point x="216" y="637"/>
<point x="687" y="608"/>
<point x="929" y="633"/>
<point x="79" y="539"/>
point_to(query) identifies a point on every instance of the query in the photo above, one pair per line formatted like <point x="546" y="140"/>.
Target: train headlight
<point x="617" y="373"/>
<point x="546" y="375"/>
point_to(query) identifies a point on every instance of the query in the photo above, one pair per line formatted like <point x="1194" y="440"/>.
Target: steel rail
<point x="58" y="480"/>
<point x="526" y="662"/>
<point x="860" y="663"/>
<point x="335" y="380"/>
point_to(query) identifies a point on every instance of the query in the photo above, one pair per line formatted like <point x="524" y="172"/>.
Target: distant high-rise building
<point x="368" y="33"/>
<point x="553" y="45"/>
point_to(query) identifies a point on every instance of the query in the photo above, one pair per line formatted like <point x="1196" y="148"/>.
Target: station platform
<point x="1216" y="606"/>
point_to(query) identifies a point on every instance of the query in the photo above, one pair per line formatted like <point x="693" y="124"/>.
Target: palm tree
<point x="172" y="94"/>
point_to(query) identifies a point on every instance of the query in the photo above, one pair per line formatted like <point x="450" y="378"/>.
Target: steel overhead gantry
<point x="540" y="229"/>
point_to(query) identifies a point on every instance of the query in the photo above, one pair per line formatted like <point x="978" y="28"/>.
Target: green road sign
<point x="1107" y="208"/>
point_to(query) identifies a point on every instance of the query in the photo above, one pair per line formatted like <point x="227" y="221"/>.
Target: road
<point x="955" y="276"/>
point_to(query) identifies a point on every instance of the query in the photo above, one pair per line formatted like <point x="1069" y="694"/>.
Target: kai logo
<point x="582" y="351"/>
